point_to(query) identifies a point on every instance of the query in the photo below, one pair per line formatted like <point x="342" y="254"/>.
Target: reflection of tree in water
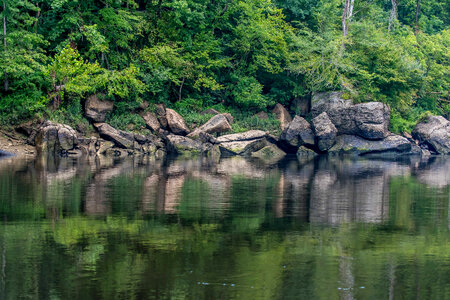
<point x="154" y="229"/>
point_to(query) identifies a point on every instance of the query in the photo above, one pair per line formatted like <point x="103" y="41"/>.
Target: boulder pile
<point x="340" y="127"/>
<point x="337" y="127"/>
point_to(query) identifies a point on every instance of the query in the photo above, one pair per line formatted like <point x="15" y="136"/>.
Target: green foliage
<point x="245" y="55"/>
<point x="126" y="121"/>
<point x="247" y="122"/>
<point x="71" y="114"/>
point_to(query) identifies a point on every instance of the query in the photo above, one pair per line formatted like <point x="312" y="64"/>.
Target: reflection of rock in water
<point x="352" y="191"/>
<point x="434" y="172"/>
<point x="173" y="193"/>
<point x="240" y="166"/>
<point x="321" y="190"/>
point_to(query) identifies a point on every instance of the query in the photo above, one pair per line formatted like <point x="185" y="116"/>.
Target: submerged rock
<point x="304" y="152"/>
<point x="269" y="153"/>
<point x="434" y="132"/>
<point x="325" y="131"/>
<point x="97" y="109"/>
<point x="356" y="145"/>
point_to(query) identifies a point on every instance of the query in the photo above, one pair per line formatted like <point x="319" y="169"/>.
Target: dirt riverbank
<point x="15" y="143"/>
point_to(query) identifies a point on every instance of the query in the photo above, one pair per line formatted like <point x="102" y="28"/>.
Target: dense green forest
<point x="238" y="56"/>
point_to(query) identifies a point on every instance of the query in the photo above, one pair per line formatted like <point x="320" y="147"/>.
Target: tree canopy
<point x="245" y="55"/>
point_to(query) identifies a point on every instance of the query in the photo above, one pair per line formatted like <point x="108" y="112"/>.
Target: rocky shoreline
<point x="337" y="127"/>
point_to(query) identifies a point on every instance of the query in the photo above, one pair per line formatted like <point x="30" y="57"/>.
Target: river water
<point x="327" y="228"/>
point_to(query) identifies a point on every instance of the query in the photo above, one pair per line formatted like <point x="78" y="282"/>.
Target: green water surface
<point x="234" y="229"/>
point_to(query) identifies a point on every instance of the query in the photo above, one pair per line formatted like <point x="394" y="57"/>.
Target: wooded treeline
<point x="228" y="54"/>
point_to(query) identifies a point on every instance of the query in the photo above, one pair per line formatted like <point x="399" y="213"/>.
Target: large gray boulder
<point x="325" y="131"/>
<point x="372" y="120"/>
<point x="352" y="144"/>
<point x="176" y="122"/>
<point x="326" y="101"/>
<point x="55" y="138"/>
<point x="368" y="120"/>
<point x="121" y="138"/>
<point x="97" y="109"/>
<point x="217" y="124"/>
<point x="282" y="115"/>
<point x="434" y="132"/>
<point x="299" y="132"/>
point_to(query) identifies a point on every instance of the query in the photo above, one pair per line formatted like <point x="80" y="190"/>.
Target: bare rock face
<point x="282" y="115"/>
<point x="176" y="122"/>
<point x="434" y="132"/>
<point x="298" y="133"/>
<point x="55" y="138"/>
<point x="119" y="137"/>
<point x="325" y="131"/>
<point x="356" y="145"/>
<point x="97" y="109"/>
<point x="327" y="101"/>
<point x="151" y="120"/>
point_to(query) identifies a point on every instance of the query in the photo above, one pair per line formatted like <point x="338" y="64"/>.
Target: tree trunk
<point x="6" y="83"/>
<point x="37" y="20"/>
<point x="346" y="15"/>
<point x="417" y="15"/>
<point x="393" y="15"/>
<point x="181" y="89"/>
